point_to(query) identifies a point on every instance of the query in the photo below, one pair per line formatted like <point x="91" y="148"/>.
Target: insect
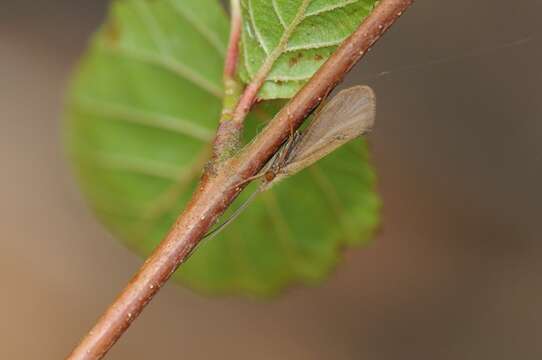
<point x="350" y="114"/>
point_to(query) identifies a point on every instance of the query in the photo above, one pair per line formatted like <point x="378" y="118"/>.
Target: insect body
<point x="350" y="114"/>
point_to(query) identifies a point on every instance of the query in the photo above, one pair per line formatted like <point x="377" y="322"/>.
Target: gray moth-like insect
<point x="349" y="114"/>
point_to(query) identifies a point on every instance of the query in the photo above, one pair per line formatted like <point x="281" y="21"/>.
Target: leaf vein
<point x="151" y="26"/>
<point x="139" y="166"/>
<point x="166" y="201"/>
<point x="314" y="45"/>
<point x="280" y="225"/>
<point x="210" y="36"/>
<point x="267" y="65"/>
<point x="156" y="120"/>
<point x="330" y="194"/>
<point x="288" y="78"/>
<point x="330" y="8"/>
<point x="257" y="33"/>
<point x="245" y="58"/>
<point x="171" y="65"/>
<point x="279" y="16"/>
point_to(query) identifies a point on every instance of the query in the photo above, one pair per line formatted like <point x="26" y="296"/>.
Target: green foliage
<point x="141" y="114"/>
<point x="296" y="37"/>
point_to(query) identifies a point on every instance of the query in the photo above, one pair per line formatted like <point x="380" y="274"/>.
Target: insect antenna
<point x="211" y="234"/>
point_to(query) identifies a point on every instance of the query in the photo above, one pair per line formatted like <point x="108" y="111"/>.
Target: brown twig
<point x="216" y="192"/>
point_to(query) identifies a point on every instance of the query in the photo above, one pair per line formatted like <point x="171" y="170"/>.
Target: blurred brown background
<point x="455" y="273"/>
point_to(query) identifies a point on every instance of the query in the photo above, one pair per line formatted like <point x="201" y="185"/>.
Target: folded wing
<point x="351" y="113"/>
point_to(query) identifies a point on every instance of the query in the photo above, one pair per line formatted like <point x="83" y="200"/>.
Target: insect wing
<point x="351" y="113"/>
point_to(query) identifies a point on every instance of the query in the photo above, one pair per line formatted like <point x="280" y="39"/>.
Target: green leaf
<point x="142" y="110"/>
<point x="293" y="38"/>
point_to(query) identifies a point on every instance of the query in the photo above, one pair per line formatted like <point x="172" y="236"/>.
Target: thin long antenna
<point x="211" y="234"/>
